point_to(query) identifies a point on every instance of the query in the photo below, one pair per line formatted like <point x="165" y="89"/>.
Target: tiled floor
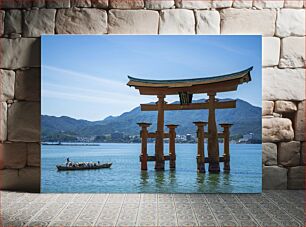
<point x="271" y="208"/>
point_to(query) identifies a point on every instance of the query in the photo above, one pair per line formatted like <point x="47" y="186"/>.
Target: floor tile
<point x="271" y="208"/>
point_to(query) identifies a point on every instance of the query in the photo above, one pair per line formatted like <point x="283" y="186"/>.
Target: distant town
<point x="118" y="137"/>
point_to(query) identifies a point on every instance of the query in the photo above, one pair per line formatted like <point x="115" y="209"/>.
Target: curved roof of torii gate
<point x="222" y="83"/>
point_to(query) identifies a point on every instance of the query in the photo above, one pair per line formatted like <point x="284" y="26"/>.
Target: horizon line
<point x="79" y="119"/>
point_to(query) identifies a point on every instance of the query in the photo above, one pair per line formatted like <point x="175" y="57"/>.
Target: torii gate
<point x="185" y="89"/>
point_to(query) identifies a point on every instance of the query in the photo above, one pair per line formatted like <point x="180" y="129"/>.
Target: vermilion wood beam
<point x="153" y="135"/>
<point x="192" y="106"/>
<point x="196" y="89"/>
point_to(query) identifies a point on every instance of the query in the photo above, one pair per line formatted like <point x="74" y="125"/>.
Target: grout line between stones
<point x="210" y="209"/>
<point x="100" y="212"/>
<point x="192" y="209"/>
<point x="138" y="210"/>
<point x="229" y="210"/>
<point x="37" y="213"/>
<point x="265" y="211"/>
<point x="61" y="210"/>
<point x="176" y="218"/>
<point x="120" y="209"/>
<point x="282" y="209"/>
<point x="249" y="212"/>
<point x="81" y="210"/>
<point x="269" y="214"/>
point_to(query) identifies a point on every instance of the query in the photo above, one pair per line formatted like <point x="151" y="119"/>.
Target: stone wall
<point x="281" y="22"/>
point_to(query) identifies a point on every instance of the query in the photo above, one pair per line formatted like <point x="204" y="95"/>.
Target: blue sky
<point x="85" y="76"/>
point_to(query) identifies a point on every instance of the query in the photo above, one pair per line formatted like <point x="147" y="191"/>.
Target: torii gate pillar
<point x="213" y="145"/>
<point x="159" y="142"/>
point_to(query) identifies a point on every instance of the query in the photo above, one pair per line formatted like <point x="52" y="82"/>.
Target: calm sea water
<point x="125" y="174"/>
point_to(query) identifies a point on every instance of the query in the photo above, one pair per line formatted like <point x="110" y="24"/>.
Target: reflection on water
<point x="125" y="174"/>
<point x="144" y="178"/>
<point x="159" y="178"/>
<point x="211" y="182"/>
<point x="172" y="178"/>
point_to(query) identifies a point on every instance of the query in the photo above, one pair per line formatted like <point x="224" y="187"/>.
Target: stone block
<point x="293" y="4"/>
<point x="2" y="15"/>
<point x="13" y="21"/>
<point x="262" y="4"/>
<point x="38" y="22"/>
<point x="303" y="157"/>
<point x="242" y="4"/>
<point x="81" y="21"/>
<point x="285" y="107"/>
<point x="289" y="153"/>
<point x="126" y="4"/>
<point x="159" y="4"/>
<point x="24" y="122"/>
<point x="248" y="21"/>
<point x="7" y="85"/>
<point x="274" y="177"/>
<point x="269" y="154"/>
<point x="277" y="115"/>
<point x="34" y="153"/>
<point x="20" y="53"/>
<point x="15" y="4"/>
<point x="27" y="85"/>
<point x="39" y="3"/>
<point x="283" y="84"/>
<point x="222" y="3"/>
<point x="299" y="122"/>
<point x="177" y="21"/>
<point x="139" y="22"/>
<point x="102" y="4"/>
<point x="26" y="180"/>
<point x="13" y="155"/>
<point x="296" y="176"/>
<point x="270" y="51"/>
<point x="208" y="22"/>
<point x="80" y="3"/>
<point x="277" y="129"/>
<point x="191" y="4"/>
<point x="293" y="52"/>
<point x="9" y="179"/>
<point x="267" y="107"/>
<point x="55" y="4"/>
<point x="3" y="121"/>
<point x="290" y="22"/>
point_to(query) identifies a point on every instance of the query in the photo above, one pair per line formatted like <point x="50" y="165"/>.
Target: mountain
<point x="245" y="117"/>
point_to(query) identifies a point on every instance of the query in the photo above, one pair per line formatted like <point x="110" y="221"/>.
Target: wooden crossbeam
<point x="192" y="106"/>
<point x="153" y="135"/>
<point x="153" y="158"/>
<point x="221" y="159"/>
<point x="167" y="158"/>
<point x="166" y="135"/>
<point x="220" y="134"/>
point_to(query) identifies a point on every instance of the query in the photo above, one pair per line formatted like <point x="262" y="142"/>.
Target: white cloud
<point x="85" y="77"/>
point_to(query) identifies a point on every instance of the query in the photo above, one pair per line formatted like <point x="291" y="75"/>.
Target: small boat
<point x="83" y="167"/>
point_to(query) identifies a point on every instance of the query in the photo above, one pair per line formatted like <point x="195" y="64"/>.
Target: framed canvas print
<point x="151" y="114"/>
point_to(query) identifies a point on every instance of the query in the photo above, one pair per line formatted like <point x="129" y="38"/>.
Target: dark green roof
<point x="137" y="81"/>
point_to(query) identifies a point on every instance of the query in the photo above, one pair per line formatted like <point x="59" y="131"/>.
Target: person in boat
<point x="98" y="162"/>
<point x="67" y="161"/>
